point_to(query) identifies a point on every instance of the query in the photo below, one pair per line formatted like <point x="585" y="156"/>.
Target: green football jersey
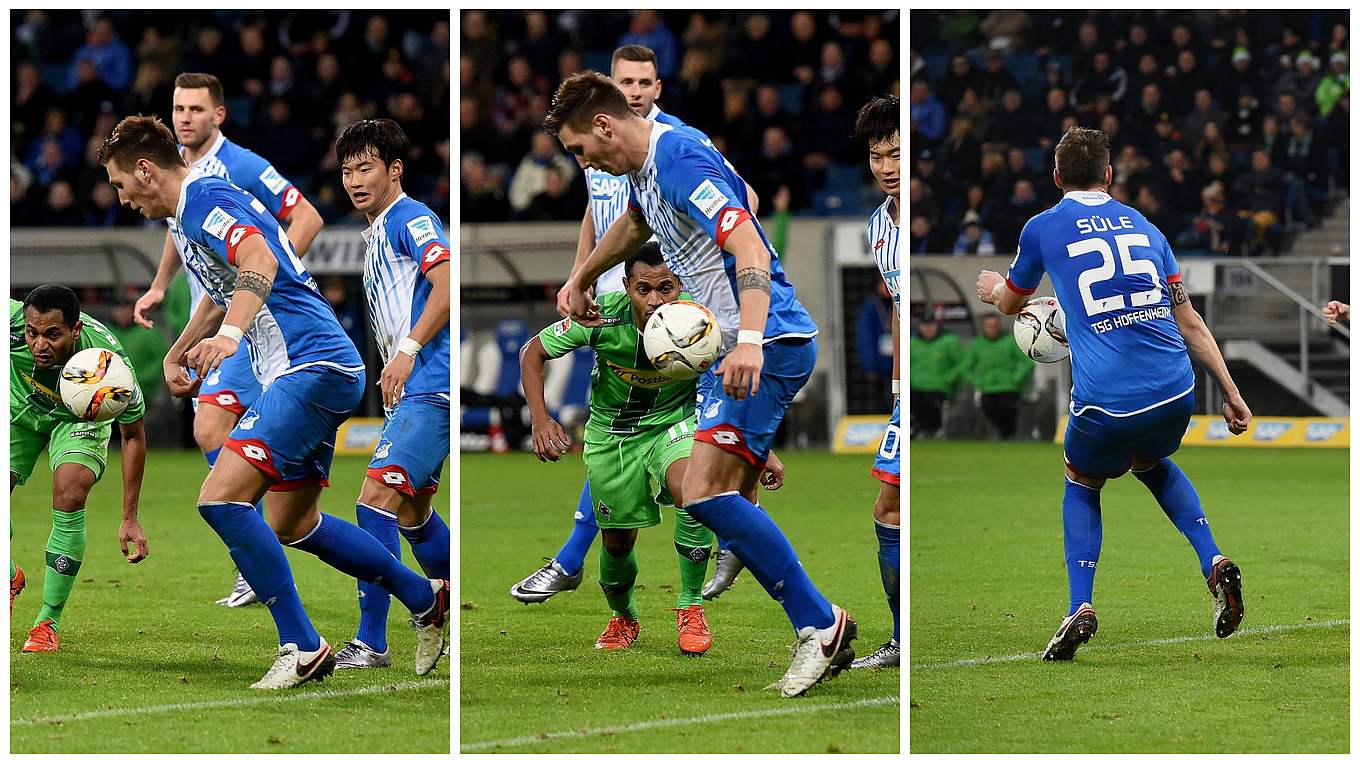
<point x="627" y="394"/>
<point x="34" y="390"/>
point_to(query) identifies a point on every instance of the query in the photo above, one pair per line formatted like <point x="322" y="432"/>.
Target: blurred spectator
<point x="1305" y="167"/>
<point x="531" y="176"/>
<point x="777" y="166"/>
<point x="974" y="239"/>
<point x="873" y="335"/>
<point x="146" y="349"/>
<point x="1010" y="218"/>
<point x="111" y="59"/>
<point x="32" y="98"/>
<point x="996" y="80"/>
<point x="1212" y="229"/>
<point x="480" y="194"/>
<point x="347" y="310"/>
<point x="961" y="76"/>
<point x="647" y="29"/>
<point x="556" y="203"/>
<point x="1334" y="84"/>
<point x="62" y="210"/>
<point x="1260" y="194"/>
<point x="936" y="365"/>
<point x="927" y="115"/>
<point x="994" y="365"/>
<point x="922" y="240"/>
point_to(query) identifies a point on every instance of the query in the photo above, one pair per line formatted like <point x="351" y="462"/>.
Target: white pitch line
<point x="263" y="700"/>
<point x="1127" y="645"/>
<point x="775" y="712"/>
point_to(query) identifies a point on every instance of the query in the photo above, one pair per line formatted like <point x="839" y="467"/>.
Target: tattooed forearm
<point x="1178" y="294"/>
<point x="254" y="282"/>
<point x="753" y="278"/>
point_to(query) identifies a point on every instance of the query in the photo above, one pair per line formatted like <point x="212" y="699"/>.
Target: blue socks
<point x="572" y="556"/>
<point x="763" y="548"/>
<point x="350" y="550"/>
<point x="430" y="545"/>
<point x="259" y="556"/>
<point x="1180" y="502"/>
<point x="1081" y="541"/>
<point x="211" y="456"/>
<point x="374" y="601"/>
<point x="890" y="568"/>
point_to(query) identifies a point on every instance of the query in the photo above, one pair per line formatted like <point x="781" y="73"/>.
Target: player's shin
<point x="1081" y="541"/>
<point x="572" y="555"/>
<point x="763" y="548"/>
<point x="374" y="600"/>
<point x="693" y="544"/>
<point x="430" y="545"/>
<point x="890" y="568"/>
<point x="257" y="553"/>
<point x="65" y="553"/>
<point x="617" y="577"/>
<point x="1180" y="502"/>
<point x="347" y="548"/>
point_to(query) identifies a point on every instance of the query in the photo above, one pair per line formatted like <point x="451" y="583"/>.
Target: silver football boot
<point x="544" y="582"/>
<point x="241" y="594"/>
<point x="726" y="567"/>
<point x="888" y="656"/>
<point x="357" y="654"/>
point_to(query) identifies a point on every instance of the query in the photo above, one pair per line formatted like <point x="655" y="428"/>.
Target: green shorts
<point x="628" y="475"/>
<point x="75" y="442"/>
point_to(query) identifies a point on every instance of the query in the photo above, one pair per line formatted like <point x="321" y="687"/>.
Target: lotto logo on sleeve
<point x="435" y="253"/>
<point x="422" y="230"/>
<point x="707" y="198"/>
<point x="218" y="222"/>
<point x="234" y="238"/>
<point x="731" y="218"/>
<point x="271" y="179"/>
<point x="290" y="200"/>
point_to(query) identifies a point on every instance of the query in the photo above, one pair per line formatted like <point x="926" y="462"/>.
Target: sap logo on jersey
<point x="422" y="229"/>
<point x="707" y="198"/>
<point x="218" y="222"/>
<point x="1102" y="224"/>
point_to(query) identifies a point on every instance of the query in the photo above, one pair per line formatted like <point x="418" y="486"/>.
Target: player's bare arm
<point x="1204" y="349"/>
<point x="303" y="223"/>
<point x="583" y="246"/>
<point x="620" y="241"/>
<point x="991" y="288"/>
<point x="740" y="369"/>
<point x="752" y="199"/>
<point x="432" y="320"/>
<point x="1336" y="311"/>
<point x="550" y="440"/>
<point x="204" y="322"/>
<point x="254" y="279"/>
<point x="165" y="272"/>
<point x="134" y="467"/>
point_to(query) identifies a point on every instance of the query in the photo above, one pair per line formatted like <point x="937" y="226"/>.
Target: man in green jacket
<point x="997" y="368"/>
<point x="936" y="363"/>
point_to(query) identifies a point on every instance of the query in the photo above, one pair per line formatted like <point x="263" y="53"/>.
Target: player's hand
<point x="740" y="370"/>
<point x="564" y="304"/>
<point x="550" y="440"/>
<point x="393" y="378"/>
<point x="1335" y="311"/>
<point x="581" y="307"/>
<point x="986" y="285"/>
<point x="131" y="531"/>
<point x="177" y="377"/>
<point x="1237" y="415"/>
<point x="149" y="300"/>
<point x="772" y="477"/>
<point x="209" y="354"/>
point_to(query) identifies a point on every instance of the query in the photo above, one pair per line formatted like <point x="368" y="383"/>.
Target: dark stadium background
<point x="292" y="80"/>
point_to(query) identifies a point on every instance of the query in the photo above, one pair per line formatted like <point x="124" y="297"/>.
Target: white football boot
<point x="432" y="629"/>
<point x="241" y="594"/>
<point x="819" y="654"/>
<point x="293" y="668"/>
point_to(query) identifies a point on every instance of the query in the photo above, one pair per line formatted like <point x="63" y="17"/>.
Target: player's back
<point x="1110" y="270"/>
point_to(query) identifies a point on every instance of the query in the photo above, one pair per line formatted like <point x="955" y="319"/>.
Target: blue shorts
<point x="289" y="432"/>
<point x="888" y="463"/>
<point x="746" y="428"/>
<point x="1098" y="445"/>
<point x="413" y="445"/>
<point x="232" y="386"/>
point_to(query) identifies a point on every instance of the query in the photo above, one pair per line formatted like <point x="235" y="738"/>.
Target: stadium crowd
<point x="292" y="80"/>
<point x="776" y="91"/>
<point x="1228" y="129"/>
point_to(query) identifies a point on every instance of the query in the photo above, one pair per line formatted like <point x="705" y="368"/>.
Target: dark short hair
<point x="383" y="138"/>
<point x="1082" y="157"/>
<point x="580" y="97"/>
<point x="194" y="81"/>
<point x="879" y="120"/>
<point x="636" y="53"/>
<point x="649" y="254"/>
<point x="138" y="137"/>
<point x="45" y="298"/>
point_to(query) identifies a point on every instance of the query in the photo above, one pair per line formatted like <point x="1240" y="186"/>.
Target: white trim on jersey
<point x="1088" y="197"/>
<point x="1072" y="406"/>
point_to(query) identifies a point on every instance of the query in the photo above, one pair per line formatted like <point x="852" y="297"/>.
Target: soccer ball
<point x="682" y="339"/>
<point x="1041" y="332"/>
<point x="96" y="385"/>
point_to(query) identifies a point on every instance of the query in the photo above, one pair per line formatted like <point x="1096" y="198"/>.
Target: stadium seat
<point x="843" y="177"/>
<point x="599" y="60"/>
<point x="567" y="386"/>
<point x="1025" y="68"/>
<point x="837" y="202"/>
<point x="238" y="111"/>
<point x="55" y="75"/>
<point x="936" y="66"/>
<point x="791" y="98"/>
<point x="1036" y="158"/>
<point x="511" y="335"/>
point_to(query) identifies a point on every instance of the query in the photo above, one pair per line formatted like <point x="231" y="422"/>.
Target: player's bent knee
<point x="376" y="493"/>
<point x="212" y="425"/>
<point x="71" y="485"/>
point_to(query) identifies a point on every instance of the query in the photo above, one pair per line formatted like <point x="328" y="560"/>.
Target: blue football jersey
<point x="693" y="199"/>
<point x="883" y="236"/>
<point x="296" y="327"/>
<point x="405" y="242"/>
<point x="1111" y="271"/>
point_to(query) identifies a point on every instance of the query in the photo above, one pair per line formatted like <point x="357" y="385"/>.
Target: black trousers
<point x="1001" y="410"/>
<point x="927" y="412"/>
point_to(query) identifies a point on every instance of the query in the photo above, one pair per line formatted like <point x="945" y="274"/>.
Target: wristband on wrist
<point x="897" y="386"/>
<point x="754" y="337"/>
<point x="409" y="346"/>
<point x="228" y="331"/>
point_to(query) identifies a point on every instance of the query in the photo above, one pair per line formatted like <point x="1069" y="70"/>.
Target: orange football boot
<point x="43" y="638"/>
<point x="619" y="634"/>
<point x="16" y="584"/>
<point x="695" y="638"/>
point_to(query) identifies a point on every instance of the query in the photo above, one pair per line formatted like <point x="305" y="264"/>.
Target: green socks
<point x="12" y="572"/>
<point x="693" y="543"/>
<point x="65" y="552"/>
<point x="617" y="575"/>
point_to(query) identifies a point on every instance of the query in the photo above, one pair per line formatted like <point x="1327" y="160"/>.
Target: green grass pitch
<point x="988" y="581"/>
<point x="149" y="664"/>
<point x="531" y="680"/>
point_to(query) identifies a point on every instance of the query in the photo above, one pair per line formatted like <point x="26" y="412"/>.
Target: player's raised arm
<point x="620" y="241"/>
<point x="254" y="279"/>
<point x="165" y="272"/>
<point x="550" y="440"/>
<point x="134" y="467"/>
<point x="1204" y="349"/>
